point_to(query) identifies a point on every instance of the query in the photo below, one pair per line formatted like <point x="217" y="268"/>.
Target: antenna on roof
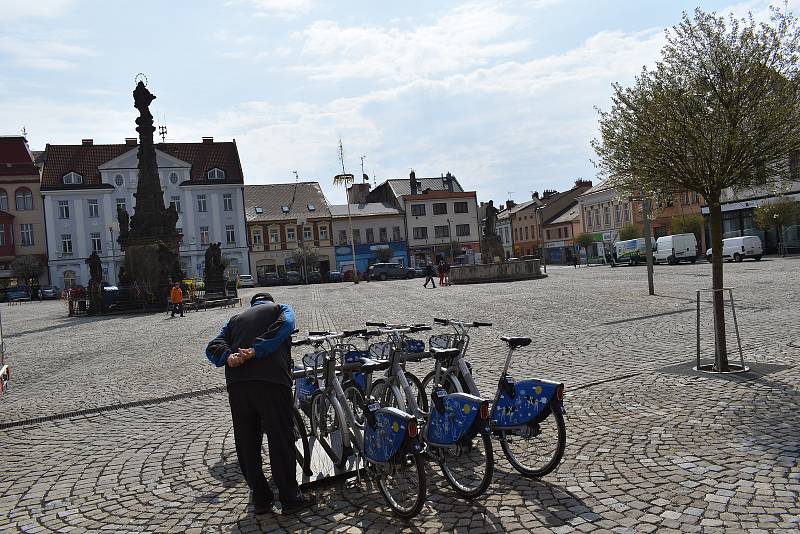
<point x="364" y="177"/>
<point x="24" y="133"/>
<point x="162" y="132"/>
<point x="296" y="177"/>
<point x="510" y="195"/>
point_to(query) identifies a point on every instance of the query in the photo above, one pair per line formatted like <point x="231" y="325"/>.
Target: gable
<point x="130" y="160"/>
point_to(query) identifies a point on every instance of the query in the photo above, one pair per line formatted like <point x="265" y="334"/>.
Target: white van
<point x="739" y="248"/>
<point x="676" y="248"/>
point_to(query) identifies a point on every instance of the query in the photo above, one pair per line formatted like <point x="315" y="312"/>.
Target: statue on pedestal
<point x="214" y="269"/>
<point x="95" y="287"/>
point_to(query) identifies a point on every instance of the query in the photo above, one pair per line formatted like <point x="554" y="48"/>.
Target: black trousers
<point x="257" y="408"/>
<point x="429" y="278"/>
<point x="177" y="308"/>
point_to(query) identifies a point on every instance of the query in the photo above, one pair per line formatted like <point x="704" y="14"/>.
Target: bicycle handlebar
<point x="374" y="323"/>
<point x="473" y="324"/>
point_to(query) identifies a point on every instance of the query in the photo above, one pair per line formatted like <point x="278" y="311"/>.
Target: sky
<point x="501" y="93"/>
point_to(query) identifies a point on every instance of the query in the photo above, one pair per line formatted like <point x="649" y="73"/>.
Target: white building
<point x="375" y="226"/>
<point x="82" y="186"/>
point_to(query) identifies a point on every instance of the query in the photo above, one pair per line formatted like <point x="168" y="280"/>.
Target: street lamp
<point x="648" y="239"/>
<point x="113" y="256"/>
<point x="450" y="236"/>
<point x="539" y="210"/>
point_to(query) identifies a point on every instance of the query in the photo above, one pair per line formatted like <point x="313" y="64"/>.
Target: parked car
<point x="18" y="293"/>
<point x="246" y="280"/>
<point x="270" y="279"/>
<point x="292" y="278"/>
<point x="50" y="293"/>
<point x="386" y="271"/>
<point x="739" y="248"/>
<point x="675" y="248"/>
<point x="335" y="276"/>
<point x="315" y="277"/>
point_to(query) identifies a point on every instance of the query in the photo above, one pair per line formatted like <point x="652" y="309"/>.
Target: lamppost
<point x="113" y="256"/>
<point x="539" y="210"/>
<point x="301" y="222"/>
<point x="450" y="236"/>
<point x="347" y="179"/>
<point x="648" y="239"/>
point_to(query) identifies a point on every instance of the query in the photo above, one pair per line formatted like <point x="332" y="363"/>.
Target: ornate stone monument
<point x="491" y="245"/>
<point x="149" y="238"/>
<point x="214" y="269"/>
<point x="95" y="287"/>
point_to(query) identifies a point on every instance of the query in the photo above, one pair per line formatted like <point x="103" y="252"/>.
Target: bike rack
<point x="743" y="367"/>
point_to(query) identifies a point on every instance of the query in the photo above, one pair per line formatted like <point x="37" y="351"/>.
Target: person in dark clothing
<point x="429" y="274"/>
<point x="254" y="347"/>
<point x="446" y="272"/>
<point x="441" y="273"/>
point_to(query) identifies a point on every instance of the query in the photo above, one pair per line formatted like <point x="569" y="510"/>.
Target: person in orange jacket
<point x="176" y="298"/>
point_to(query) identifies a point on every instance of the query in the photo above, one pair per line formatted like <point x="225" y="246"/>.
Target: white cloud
<point x="48" y="54"/>
<point x="469" y="36"/>
<point x="281" y="8"/>
<point x="19" y="9"/>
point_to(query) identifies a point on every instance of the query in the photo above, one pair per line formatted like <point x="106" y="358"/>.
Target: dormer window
<point x="285" y="209"/>
<point x="311" y="207"/>
<point x="216" y="174"/>
<point x="72" y="178"/>
<point x="259" y="210"/>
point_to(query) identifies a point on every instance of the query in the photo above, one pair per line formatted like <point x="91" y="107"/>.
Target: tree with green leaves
<point x="688" y="224"/>
<point x="306" y="259"/>
<point x="719" y="110"/>
<point x="27" y="268"/>
<point x="630" y="231"/>
<point x="585" y="241"/>
<point x="777" y="213"/>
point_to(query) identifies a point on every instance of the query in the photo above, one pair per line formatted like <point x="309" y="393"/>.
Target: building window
<point x="119" y="180"/>
<point x="606" y="215"/>
<point x="227" y="202"/>
<point x="257" y="238"/>
<point x="460" y="207"/>
<point x="216" y="174"/>
<point x="566" y="231"/>
<point x="274" y="235"/>
<point x="24" y="199"/>
<point x="3" y="200"/>
<point x="2" y="235"/>
<point x="173" y="177"/>
<point x="357" y="236"/>
<point x="548" y="235"/>
<point x="97" y="245"/>
<point x="94" y="209"/>
<point x="323" y="233"/>
<point x="120" y="204"/>
<point x="69" y="279"/>
<point x="204" y="235"/>
<point x="201" y="203"/>
<point x="26" y="234"/>
<point x="290" y="234"/>
<point x="439" y="208"/>
<point x="63" y="209"/>
<point x="420" y="232"/>
<point x="342" y="237"/>
<point x="383" y="235"/>
<point x="626" y="210"/>
<point x="441" y="231"/>
<point x="230" y="235"/>
<point x="308" y="233"/>
<point x="617" y="214"/>
<point x="527" y="235"/>
<point x="72" y="178"/>
<point x="175" y="200"/>
<point x="284" y="209"/>
<point x="370" y="235"/>
<point x="462" y="230"/>
<point x="696" y="197"/>
<point x="66" y="244"/>
<point x="418" y="210"/>
<point x="396" y="233"/>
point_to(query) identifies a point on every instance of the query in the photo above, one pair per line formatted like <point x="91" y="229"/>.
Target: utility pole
<point x="347" y="179"/>
<point x="648" y="243"/>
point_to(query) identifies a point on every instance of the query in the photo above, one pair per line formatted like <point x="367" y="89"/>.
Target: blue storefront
<point x="365" y="255"/>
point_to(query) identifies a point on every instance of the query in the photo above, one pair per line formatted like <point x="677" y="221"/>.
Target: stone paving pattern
<point x="652" y="446"/>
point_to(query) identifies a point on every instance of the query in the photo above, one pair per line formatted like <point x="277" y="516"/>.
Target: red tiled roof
<point x="15" y="157"/>
<point x="85" y="159"/>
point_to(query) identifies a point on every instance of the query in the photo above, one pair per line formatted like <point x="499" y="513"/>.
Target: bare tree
<point x="719" y="110"/>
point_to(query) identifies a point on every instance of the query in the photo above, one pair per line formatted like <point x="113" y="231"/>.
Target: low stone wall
<point x="496" y="272"/>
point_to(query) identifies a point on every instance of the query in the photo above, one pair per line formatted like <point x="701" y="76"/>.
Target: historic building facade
<point x="83" y="186"/>
<point x="375" y="226"/>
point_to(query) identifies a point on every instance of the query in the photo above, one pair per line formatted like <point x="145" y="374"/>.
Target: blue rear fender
<point x="531" y="402"/>
<point x="388" y="436"/>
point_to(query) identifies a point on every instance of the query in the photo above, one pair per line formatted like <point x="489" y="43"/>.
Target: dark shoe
<point x="303" y="502"/>
<point x="265" y="508"/>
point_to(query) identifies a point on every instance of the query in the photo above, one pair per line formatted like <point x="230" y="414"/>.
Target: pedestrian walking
<point x="447" y="272"/>
<point x="441" y="272"/>
<point x="254" y="347"/>
<point x="429" y="272"/>
<point x="575" y="260"/>
<point x="176" y="298"/>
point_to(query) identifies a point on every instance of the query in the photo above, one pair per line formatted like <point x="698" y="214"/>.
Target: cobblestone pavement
<point x="651" y="444"/>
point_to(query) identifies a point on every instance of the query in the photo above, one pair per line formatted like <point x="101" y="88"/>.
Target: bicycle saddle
<point x="515" y="342"/>
<point x="444" y="354"/>
<point x="368" y="365"/>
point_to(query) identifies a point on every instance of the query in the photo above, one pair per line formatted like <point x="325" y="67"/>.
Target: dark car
<point x="335" y="276"/>
<point x="292" y="278"/>
<point x="315" y="277"/>
<point x="50" y="293"/>
<point x="18" y="293"/>
<point x="386" y="271"/>
<point x="270" y="279"/>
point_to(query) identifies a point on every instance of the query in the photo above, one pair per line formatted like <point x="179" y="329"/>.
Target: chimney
<point x="510" y="204"/>
<point x="548" y="193"/>
<point x="130" y="141"/>
<point x="357" y="193"/>
<point x="87" y="142"/>
<point x="580" y="182"/>
<point x="208" y="139"/>
<point x="535" y="195"/>
<point x="448" y="181"/>
<point x="413" y="181"/>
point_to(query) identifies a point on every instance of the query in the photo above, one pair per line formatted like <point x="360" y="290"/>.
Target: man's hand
<point x="246" y="354"/>
<point x="234" y="360"/>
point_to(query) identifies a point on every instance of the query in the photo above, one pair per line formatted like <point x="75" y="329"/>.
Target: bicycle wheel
<point x="386" y="395"/>
<point x="355" y="399"/>
<point x="451" y="385"/>
<point x="418" y="391"/>
<point x="327" y="427"/>
<point x="468" y="466"/>
<point x="404" y="486"/>
<point x="301" y="449"/>
<point x="538" y="450"/>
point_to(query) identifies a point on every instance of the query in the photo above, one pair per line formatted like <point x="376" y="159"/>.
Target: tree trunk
<point x="721" y="350"/>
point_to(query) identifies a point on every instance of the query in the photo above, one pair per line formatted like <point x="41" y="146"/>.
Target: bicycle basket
<point x="380" y="350"/>
<point x="413" y="345"/>
<point x="443" y="341"/>
<point x="354" y="356"/>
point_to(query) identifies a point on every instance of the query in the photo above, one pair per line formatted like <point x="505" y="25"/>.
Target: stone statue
<point x="124" y="279"/>
<point x="171" y="218"/>
<point x="214" y="269"/>
<point x="490" y="226"/>
<point x="124" y="220"/>
<point x="95" y="268"/>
